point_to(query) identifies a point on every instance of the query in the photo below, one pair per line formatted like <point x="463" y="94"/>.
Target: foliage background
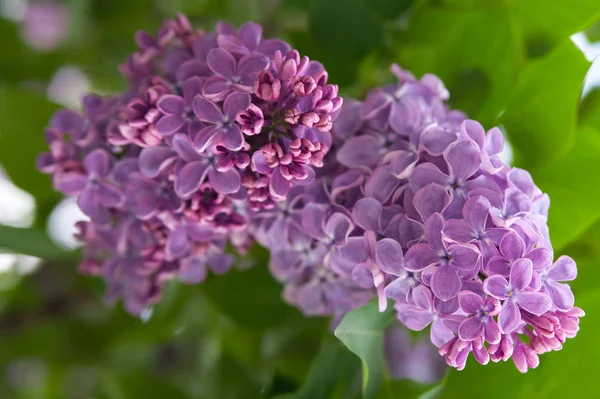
<point x="507" y="62"/>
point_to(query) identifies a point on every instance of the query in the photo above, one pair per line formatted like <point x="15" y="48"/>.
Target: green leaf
<point x="541" y="118"/>
<point x="250" y="297"/>
<point x="330" y="369"/>
<point x="389" y="9"/>
<point x="589" y="109"/>
<point x="474" y="49"/>
<point x="361" y="331"/>
<point x="23" y="118"/>
<point x="343" y="31"/>
<point x="573" y="184"/>
<point x="554" y="20"/>
<point x="31" y="242"/>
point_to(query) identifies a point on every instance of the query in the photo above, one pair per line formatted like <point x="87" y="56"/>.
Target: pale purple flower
<point x="516" y="296"/>
<point x="481" y="323"/>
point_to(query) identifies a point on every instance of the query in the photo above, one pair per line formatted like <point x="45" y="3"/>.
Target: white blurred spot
<point x="17" y="207"/>
<point x="68" y="86"/>
<point x="506" y="155"/>
<point x="591" y="52"/>
<point x="61" y="223"/>
<point x="13" y="9"/>
<point x="146" y="314"/>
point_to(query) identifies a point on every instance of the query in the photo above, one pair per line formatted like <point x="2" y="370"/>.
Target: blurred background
<point x="524" y="65"/>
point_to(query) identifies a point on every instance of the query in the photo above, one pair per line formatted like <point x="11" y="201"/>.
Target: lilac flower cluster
<point x="212" y="126"/>
<point x="418" y="207"/>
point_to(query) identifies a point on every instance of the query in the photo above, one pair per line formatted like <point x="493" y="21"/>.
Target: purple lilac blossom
<point x="414" y="204"/>
<point x="215" y="128"/>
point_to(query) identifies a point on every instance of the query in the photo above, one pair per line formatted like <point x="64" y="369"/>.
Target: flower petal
<point x="470" y="329"/>
<point x="419" y="256"/>
<point x="509" y="317"/>
<point x="224" y="182"/>
<point x="445" y="282"/>
<point x="534" y="302"/>
<point x="389" y="256"/>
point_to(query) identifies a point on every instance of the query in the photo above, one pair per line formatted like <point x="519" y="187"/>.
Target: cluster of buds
<point x="213" y="126"/>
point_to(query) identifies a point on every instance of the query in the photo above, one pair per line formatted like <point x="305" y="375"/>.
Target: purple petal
<point x="270" y="46"/>
<point x="413" y="318"/>
<point x="389" y="257"/>
<point x="221" y="62"/>
<point x="405" y="117"/>
<point x="541" y="258"/>
<point x="475" y="211"/>
<point x="251" y="35"/>
<point x="193" y="271"/>
<point x="375" y="102"/>
<point x="522" y="180"/>
<point x="499" y="265"/>
<point x="435" y="140"/>
<point x="177" y="243"/>
<point x="206" y="110"/>
<point x="458" y="231"/>
<point x="338" y="227"/>
<point x="366" y="214"/>
<point x="279" y="186"/>
<point x="561" y="295"/>
<point x="425" y="174"/>
<point x="419" y="256"/>
<point x="233" y="139"/>
<point x="354" y="251"/>
<point x="521" y="273"/>
<point x="445" y="282"/>
<point x="463" y="158"/>
<point x="470" y="302"/>
<point x="422" y="297"/>
<point x="474" y="131"/>
<point x="249" y="67"/>
<point x="403" y="163"/>
<point x="234" y="103"/>
<point x="171" y="104"/>
<point x="259" y="163"/>
<point x="509" y="317"/>
<point x="362" y="276"/>
<point x="189" y="178"/>
<point x="205" y="137"/>
<point x="381" y="184"/>
<point x="534" y="302"/>
<point x="225" y="182"/>
<point x="464" y="257"/>
<point x="492" y="332"/>
<point x="360" y="151"/>
<point x="470" y="329"/>
<point x="564" y="269"/>
<point x="71" y="183"/>
<point x="440" y="334"/>
<point x="191" y="88"/>
<point x="153" y="160"/>
<point x="169" y="124"/>
<point x="512" y="246"/>
<point x="496" y="286"/>
<point x="216" y="88"/>
<point x="97" y="162"/>
<point x="433" y="231"/>
<point x="431" y="199"/>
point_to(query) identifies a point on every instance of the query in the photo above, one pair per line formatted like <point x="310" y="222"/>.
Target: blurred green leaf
<point x="473" y="49"/>
<point x="250" y="297"/>
<point x="361" y="331"/>
<point x="23" y="118"/>
<point x="31" y="242"/>
<point x="573" y="184"/>
<point x="541" y="118"/>
<point x="589" y="109"/>
<point x="554" y="20"/>
<point x="330" y="369"/>
<point x="344" y="31"/>
<point x="389" y="9"/>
